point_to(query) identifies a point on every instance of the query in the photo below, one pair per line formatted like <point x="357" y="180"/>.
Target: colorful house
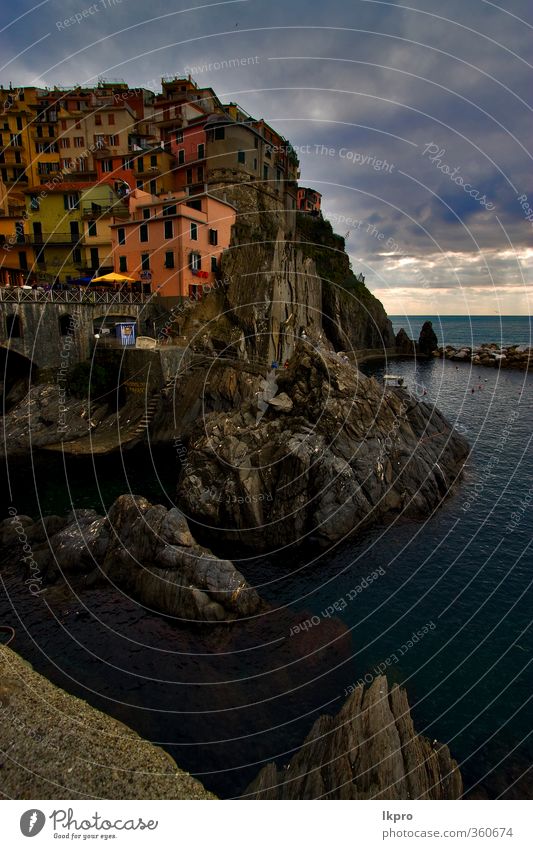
<point x="309" y="200"/>
<point x="174" y="243"/>
<point x="70" y="229"/>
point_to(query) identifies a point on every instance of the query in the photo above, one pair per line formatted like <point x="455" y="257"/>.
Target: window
<point x="179" y="136"/>
<point x="23" y="260"/>
<point x="107" y="165"/>
<point x="169" y="259"/>
<point x="189" y="175"/>
<point x="146" y="213"/>
<point x="114" y="141"/>
<point x="70" y="201"/>
<point x="181" y="156"/>
<point x="139" y="184"/>
<point x="64" y="143"/>
<point x="153" y="161"/>
<point x="256" y="142"/>
<point x="122" y="263"/>
<point x="78" y="141"/>
<point x="91" y="231"/>
<point x="214" y="264"/>
<point x="121" y="235"/>
<point x="128" y="165"/>
<point x="76" y="256"/>
<point x="268" y="152"/>
<point x="99" y="141"/>
<point x="63" y="124"/>
<point x="169" y="230"/>
<point x="201" y="151"/>
<point x="95" y="261"/>
<point x="143" y="233"/>
<point x="41" y="147"/>
<point x="153" y="187"/>
<point x="255" y="164"/>
<point x="41" y="259"/>
<point x="213" y="237"/>
<point x="200" y="174"/>
<point x="170" y="210"/>
<point x="265" y="172"/>
<point x="145" y="262"/>
<point x="98" y="120"/>
<point x="140" y="164"/>
<point x="13" y="326"/>
<point x="34" y="202"/>
<point x="195" y="292"/>
<point x="194" y="232"/>
<point x="219" y="133"/>
<point x="111" y="118"/>
<point x="241" y="157"/>
<point x="195" y="261"/>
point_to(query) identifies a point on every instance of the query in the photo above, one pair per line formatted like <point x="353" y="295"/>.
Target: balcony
<point x="93" y="210"/>
<point x="152" y="171"/>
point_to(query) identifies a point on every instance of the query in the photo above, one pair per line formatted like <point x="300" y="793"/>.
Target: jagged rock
<point x="404" y="344"/>
<point x="369" y="750"/>
<point x="146" y="550"/>
<point x="281" y="402"/>
<point x="427" y="341"/>
<point x="348" y="452"/>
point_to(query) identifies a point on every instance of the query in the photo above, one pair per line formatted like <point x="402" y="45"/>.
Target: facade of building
<point x="59" y="145"/>
<point x="309" y="200"/>
<point x="174" y="243"/>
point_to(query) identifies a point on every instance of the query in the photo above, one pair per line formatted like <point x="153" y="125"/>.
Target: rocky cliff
<point x="332" y="452"/>
<point x="370" y="750"/>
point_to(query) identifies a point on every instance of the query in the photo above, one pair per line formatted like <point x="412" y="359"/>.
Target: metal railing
<point x="20" y="295"/>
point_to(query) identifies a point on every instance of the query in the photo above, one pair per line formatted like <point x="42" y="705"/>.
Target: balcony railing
<point x="55" y="238"/>
<point x="72" y="296"/>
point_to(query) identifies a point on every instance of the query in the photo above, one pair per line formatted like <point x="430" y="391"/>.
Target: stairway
<point x="144" y="424"/>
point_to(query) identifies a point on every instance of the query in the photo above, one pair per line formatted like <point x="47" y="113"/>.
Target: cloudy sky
<point x="414" y="121"/>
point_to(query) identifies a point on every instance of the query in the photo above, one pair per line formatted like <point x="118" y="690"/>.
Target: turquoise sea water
<point x="470" y="329"/>
<point x="224" y="700"/>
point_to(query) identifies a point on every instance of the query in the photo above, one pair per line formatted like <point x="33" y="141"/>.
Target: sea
<point x="441" y="605"/>
<point x="470" y="330"/>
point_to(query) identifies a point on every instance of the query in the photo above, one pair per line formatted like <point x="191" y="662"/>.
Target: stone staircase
<point x="144" y="424"/>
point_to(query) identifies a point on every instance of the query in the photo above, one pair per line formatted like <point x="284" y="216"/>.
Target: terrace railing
<point x="20" y="295"/>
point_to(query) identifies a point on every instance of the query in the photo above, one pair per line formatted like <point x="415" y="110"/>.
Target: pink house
<point x="175" y="242"/>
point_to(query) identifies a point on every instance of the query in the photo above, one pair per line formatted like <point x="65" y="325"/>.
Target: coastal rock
<point x="427" y="341"/>
<point x="55" y="744"/>
<point x="349" y="452"/>
<point x="404" y="344"/>
<point x="369" y="750"/>
<point x="145" y="550"/>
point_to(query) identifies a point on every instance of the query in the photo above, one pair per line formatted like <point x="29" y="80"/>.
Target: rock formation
<point x="516" y="357"/>
<point x="427" y="341"/>
<point x="347" y="452"/>
<point x="145" y="550"/>
<point x="404" y="344"/>
<point x="55" y="745"/>
<point x="369" y="750"/>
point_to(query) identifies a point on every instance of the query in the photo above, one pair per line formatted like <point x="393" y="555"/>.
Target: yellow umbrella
<point x="113" y="277"/>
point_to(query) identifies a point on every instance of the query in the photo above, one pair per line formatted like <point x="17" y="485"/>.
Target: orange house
<point x="175" y="243"/>
<point x="309" y="200"/>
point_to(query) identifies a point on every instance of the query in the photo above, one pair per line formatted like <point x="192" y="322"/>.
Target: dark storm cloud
<point x="435" y="100"/>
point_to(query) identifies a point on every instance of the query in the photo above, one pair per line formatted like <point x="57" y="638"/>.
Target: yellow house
<point x="69" y="229"/>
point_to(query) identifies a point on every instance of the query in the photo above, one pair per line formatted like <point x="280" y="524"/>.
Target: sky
<point x="413" y="120"/>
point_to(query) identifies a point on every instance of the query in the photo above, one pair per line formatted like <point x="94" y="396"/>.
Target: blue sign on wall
<point x="125" y="331"/>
